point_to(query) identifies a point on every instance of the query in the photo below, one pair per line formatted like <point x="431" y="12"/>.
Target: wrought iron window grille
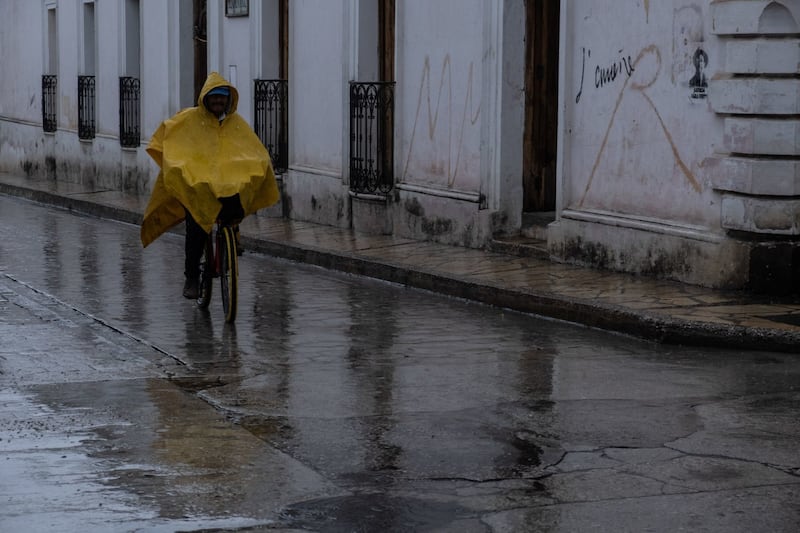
<point x="129" y="112"/>
<point x="271" y="120"/>
<point x="86" y="107"/>
<point x="371" y="137"/>
<point x="49" y="91"/>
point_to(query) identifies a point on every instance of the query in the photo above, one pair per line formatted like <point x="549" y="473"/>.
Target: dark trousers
<point x="195" y="242"/>
<point x="231" y="212"/>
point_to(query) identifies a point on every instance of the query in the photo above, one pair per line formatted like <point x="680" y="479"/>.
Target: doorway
<point x="200" y="32"/>
<point x="386" y="31"/>
<point x="540" y="141"/>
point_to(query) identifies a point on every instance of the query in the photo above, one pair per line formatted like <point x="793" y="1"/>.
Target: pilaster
<point x="758" y="174"/>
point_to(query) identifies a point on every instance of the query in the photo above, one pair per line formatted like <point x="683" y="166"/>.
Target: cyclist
<point x="211" y="164"/>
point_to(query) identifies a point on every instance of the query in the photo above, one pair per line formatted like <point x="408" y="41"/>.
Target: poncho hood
<point x="213" y="81"/>
<point x="202" y="159"/>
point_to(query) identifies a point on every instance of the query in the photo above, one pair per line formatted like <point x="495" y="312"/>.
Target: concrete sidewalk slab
<point x="659" y="310"/>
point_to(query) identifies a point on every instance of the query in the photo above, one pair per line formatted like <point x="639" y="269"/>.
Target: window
<point x="52" y="41"/>
<point x="89" y="39"/>
<point x="237" y="8"/>
<point x="271" y="120"/>
<point x="371" y="137"/>
<point x="129" y="108"/>
<point x="372" y="103"/>
<point x="86" y="105"/>
<point x="49" y="91"/>
<point x="50" y="79"/>
<point x="133" y="38"/>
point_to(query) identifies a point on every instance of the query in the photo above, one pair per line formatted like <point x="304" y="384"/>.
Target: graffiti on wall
<point x="470" y="112"/>
<point x="649" y="59"/>
<point x="606" y="74"/>
<point x="688" y="68"/>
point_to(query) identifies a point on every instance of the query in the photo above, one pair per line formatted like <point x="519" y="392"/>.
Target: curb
<point x="78" y="205"/>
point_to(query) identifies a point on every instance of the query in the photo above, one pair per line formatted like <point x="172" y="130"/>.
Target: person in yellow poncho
<point x="213" y="165"/>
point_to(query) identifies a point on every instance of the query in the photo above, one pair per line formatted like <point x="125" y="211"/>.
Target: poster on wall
<point x="699" y="82"/>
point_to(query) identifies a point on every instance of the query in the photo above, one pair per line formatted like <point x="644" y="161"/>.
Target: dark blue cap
<point x="224" y="91"/>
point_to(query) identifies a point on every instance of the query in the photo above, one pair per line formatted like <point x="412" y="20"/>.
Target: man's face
<point x="217" y="104"/>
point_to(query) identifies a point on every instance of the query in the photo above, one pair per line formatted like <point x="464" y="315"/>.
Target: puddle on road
<point x="136" y="454"/>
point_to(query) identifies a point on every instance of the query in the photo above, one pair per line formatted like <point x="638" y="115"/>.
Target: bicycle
<point x="220" y="259"/>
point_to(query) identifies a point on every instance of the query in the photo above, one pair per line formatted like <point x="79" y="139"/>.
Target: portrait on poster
<point x="699" y="82"/>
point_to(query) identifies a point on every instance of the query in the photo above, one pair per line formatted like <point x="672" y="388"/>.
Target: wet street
<point x="339" y="403"/>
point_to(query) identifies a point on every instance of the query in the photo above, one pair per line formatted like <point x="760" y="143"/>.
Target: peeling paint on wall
<point x="687" y="36"/>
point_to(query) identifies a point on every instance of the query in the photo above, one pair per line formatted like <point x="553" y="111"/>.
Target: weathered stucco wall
<point x="319" y="68"/>
<point x="662" y="169"/>
<point x="637" y="132"/>
<point x="677" y="119"/>
<point x="234" y="60"/>
<point x="438" y="105"/>
<point x="25" y="148"/>
<point x="21" y="82"/>
<point x="317" y="84"/>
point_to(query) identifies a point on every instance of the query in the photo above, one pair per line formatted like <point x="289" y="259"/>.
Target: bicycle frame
<point x="220" y="260"/>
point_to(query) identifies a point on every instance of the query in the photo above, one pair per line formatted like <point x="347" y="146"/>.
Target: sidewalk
<point x="659" y="310"/>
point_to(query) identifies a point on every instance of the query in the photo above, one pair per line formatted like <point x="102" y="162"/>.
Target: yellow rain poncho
<point x="203" y="159"/>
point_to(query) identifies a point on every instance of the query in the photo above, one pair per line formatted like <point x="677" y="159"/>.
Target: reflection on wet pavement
<point x="337" y="403"/>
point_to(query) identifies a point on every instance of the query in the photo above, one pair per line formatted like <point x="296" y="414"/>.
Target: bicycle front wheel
<point x="206" y="275"/>
<point x="229" y="273"/>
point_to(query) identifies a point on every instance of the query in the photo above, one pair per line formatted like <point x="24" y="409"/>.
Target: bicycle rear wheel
<point x="206" y="275"/>
<point x="229" y="273"/>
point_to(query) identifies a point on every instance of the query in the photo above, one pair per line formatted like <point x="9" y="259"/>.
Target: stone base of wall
<point x="100" y="162"/>
<point x="682" y="253"/>
<point x="425" y="214"/>
<point x="371" y="214"/>
<point x="447" y="220"/>
<point x="315" y="196"/>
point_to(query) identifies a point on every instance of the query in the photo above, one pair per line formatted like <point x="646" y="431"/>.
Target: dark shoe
<point x="191" y="289"/>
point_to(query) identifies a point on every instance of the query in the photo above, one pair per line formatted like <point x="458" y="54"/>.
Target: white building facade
<point x="651" y="137"/>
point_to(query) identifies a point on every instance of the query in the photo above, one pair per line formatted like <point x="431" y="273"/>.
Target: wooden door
<point x="541" y="104"/>
<point x="386" y="23"/>
<point x="283" y="39"/>
<point x="200" y="31"/>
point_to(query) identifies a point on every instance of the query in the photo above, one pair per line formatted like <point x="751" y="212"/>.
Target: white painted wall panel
<point x="156" y="76"/>
<point x="68" y="26"/>
<point x="235" y="65"/>
<point x="316" y="84"/>
<point x="108" y="67"/>
<point x="21" y="84"/>
<point x="438" y="93"/>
